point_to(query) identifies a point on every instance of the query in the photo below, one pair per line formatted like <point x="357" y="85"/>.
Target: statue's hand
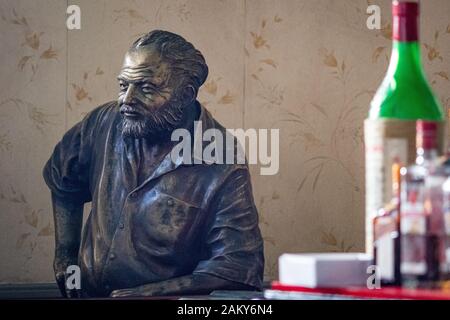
<point x="60" y="265"/>
<point x="131" y="292"/>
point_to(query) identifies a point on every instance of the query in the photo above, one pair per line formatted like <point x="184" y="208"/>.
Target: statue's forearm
<point x="68" y="219"/>
<point x="190" y="284"/>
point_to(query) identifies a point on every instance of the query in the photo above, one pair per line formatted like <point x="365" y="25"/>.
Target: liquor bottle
<point x="446" y="217"/>
<point x="436" y="209"/>
<point x="403" y="98"/>
<point x="419" y="263"/>
<point x="386" y="227"/>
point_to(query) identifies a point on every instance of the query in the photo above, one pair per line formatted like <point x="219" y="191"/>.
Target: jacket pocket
<point x="164" y="223"/>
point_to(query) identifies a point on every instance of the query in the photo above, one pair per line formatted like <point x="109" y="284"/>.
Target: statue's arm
<point x="68" y="220"/>
<point x="190" y="284"/>
<point x="67" y="174"/>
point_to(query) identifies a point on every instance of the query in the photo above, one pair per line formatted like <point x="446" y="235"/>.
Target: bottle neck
<point x="405" y="26"/>
<point x="406" y="47"/>
<point x="405" y="60"/>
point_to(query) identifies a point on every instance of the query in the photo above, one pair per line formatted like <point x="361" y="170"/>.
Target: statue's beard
<point x="156" y="125"/>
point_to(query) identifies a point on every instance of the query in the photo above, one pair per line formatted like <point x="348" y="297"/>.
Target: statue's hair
<point x="184" y="59"/>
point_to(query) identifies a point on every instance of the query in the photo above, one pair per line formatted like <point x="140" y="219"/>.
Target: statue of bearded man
<point x="158" y="225"/>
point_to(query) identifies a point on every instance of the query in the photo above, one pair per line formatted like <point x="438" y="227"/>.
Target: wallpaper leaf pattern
<point x="80" y="90"/>
<point x="5" y="143"/>
<point x="33" y="221"/>
<point x="35" y="53"/>
<point x="312" y="81"/>
<point x="39" y="118"/>
<point x="130" y="15"/>
<point x="216" y="94"/>
<point x="31" y="39"/>
<point x="336" y="245"/>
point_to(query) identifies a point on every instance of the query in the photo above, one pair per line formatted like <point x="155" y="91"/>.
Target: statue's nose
<point x="129" y="95"/>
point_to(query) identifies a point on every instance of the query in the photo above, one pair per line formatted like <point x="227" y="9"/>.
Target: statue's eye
<point x="123" y="86"/>
<point x="146" y="88"/>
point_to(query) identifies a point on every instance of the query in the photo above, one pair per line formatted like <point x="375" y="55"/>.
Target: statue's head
<point x="159" y="80"/>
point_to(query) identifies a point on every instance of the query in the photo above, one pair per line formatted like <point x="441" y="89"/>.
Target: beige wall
<point x="306" y="67"/>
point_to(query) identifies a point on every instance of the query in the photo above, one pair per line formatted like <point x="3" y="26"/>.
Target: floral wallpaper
<point x="306" y="67"/>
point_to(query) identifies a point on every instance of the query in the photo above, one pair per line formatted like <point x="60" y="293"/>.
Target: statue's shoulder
<point x="105" y="109"/>
<point x="102" y="113"/>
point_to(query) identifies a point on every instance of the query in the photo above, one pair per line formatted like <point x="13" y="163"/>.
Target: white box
<point x="324" y="270"/>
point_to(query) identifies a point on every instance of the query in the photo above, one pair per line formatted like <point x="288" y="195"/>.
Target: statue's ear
<point x="189" y="94"/>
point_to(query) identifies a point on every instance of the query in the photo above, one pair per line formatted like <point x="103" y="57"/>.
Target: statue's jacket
<point x="183" y="219"/>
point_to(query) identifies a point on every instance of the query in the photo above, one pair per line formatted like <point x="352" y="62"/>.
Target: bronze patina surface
<point x="158" y="226"/>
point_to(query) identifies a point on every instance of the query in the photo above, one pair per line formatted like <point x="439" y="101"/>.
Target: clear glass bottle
<point x="446" y="223"/>
<point x="435" y="210"/>
<point x="419" y="263"/>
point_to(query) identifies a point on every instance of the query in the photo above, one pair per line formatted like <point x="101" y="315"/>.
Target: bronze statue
<point x="157" y="226"/>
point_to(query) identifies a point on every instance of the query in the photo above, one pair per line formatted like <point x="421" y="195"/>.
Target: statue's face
<point x="150" y="106"/>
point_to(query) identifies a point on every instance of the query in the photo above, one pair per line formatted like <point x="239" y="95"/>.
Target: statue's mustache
<point x="130" y="109"/>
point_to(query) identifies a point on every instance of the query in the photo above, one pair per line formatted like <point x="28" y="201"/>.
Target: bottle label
<point x="414" y="268"/>
<point x="414" y="224"/>
<point x="414" y="244"/>
<point x="385" y="257"/>
<point x="387" y="140"/>
<point x="434" y="203"/>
